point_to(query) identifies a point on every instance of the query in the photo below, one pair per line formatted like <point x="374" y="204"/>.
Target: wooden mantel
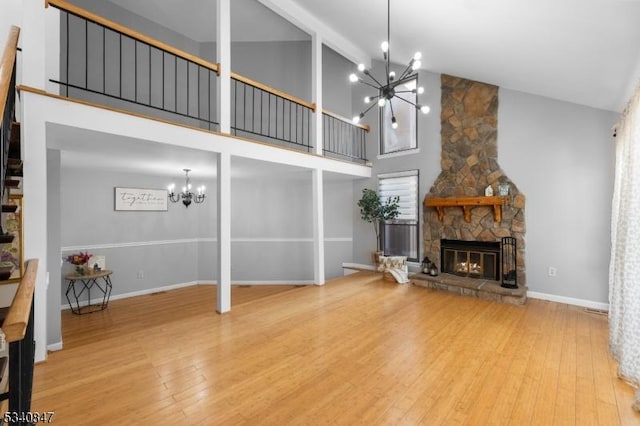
<point x="467" y="203"/>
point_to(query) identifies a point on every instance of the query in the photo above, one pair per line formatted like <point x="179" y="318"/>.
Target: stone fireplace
<point x="465" y="202"/>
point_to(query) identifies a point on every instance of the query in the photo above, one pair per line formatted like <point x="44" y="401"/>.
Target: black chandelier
<point x="389" y="89"/>
<point x="186" y="195"/>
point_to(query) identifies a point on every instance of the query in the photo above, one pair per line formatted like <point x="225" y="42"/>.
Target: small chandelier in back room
<point x="388" y="87"/>
<point x="186" y="195"/>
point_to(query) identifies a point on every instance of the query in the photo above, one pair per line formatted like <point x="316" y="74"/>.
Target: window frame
<point x="385" y="123"/>
<point x="412" y="223"/>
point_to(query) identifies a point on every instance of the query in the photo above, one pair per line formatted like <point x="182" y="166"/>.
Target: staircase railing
<point x="17" y="329"/>
<point x="111" y="61"/>
<point x="7" y="105"/>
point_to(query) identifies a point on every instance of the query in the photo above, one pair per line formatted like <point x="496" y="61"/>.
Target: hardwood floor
<point x="356" y="351"/>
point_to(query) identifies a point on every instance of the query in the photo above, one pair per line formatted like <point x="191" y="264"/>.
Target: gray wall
<point x="336" y="88"/>
<point x="11" y="15"/>
<point x="271" y="230"/>
<point x="132" y="241"/>
<point x="283" y="65"/>
<point x="561" y="155"/>
<point x="54" y="254"/>
<point x="427" y="160"/>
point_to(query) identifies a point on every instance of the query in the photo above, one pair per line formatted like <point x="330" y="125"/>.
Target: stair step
<point x="14" y="166"/>
<point x="5" y="272"/>
<point x="9" y="208"/>
<point x="6" y="238"/>
<point x="14" y="141"/>
<point x="11" y="183"/>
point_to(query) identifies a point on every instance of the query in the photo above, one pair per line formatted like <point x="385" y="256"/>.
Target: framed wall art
<point x="140" y="199"/>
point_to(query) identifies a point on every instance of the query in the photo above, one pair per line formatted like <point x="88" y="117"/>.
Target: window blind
<point x="405" y="186"/>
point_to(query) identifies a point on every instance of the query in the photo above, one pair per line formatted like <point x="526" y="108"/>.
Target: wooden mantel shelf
<point x="467" y="203"/>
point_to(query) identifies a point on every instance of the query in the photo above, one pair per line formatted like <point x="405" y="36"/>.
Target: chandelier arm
<point x="408" y="101"/>
<point x="368" y="109"/>
<point x="405" y="80"/>
<point x="369" y="84"/>
<point x="372" y="78"/>
<point x="407" y="70"/>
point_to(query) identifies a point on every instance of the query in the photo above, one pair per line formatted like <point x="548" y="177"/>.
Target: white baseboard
<point x="262" y="282"/>
<point x="273" y="282"/>
<point x="568" y="300"/>
<point x="136" y="293"/>
<point x="358" y="266"/>
<point x="53" y="347"/>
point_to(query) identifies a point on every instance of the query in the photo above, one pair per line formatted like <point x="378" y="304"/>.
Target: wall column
<point x="223" y="171"/>
<point x="223" y="46"/>
<point x="318" y="226"/>
<point x="316" y="90"/>
<point x="34" y="188"/>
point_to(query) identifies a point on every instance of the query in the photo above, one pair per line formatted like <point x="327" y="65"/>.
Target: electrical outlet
<point x="140" y="275"/>
<point x="552" y="271"/>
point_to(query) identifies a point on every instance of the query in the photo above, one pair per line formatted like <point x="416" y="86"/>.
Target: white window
<point x="400" y="237"/>
<point x="404" y="137"/>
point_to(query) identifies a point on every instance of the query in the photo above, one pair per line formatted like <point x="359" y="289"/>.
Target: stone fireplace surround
<point x="469" y="162"/>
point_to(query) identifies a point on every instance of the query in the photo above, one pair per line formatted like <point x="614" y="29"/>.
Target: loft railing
<point x="103" y="60"/>
<point x="269" y="114"/>
<point x="342" y="138"/>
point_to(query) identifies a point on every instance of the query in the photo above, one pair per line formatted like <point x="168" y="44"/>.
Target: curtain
<point x="624" y="269"/>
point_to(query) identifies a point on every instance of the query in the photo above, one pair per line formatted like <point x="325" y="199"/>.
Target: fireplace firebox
<point x="475" y="259"/>
<point x="481" y="259"/>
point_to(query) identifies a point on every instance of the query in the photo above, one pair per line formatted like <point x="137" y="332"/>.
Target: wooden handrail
<point x="364" y="127"/>
<point x="75" y="10"/>
<point x="15" y="324"/>
<point x="276" y="92"/>
<point x="6" y="66"/>
<point x="83" y="13"/>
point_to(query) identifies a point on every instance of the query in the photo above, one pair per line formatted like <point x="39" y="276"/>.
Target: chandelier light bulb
<point x="171" y="187"/>
<point x="391" y="85"/>
<point x="184" y="189"/>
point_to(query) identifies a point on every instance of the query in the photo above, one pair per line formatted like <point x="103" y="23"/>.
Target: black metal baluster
<point x="86" y="54"/>
<point x="68" y="53"/>
<point x="104" y="61"/>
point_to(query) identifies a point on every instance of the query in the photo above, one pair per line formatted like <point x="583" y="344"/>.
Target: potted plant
<point x="374" y="211"/>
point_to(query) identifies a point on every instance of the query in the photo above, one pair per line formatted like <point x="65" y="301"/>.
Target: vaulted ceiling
<point x="581" y="51"/>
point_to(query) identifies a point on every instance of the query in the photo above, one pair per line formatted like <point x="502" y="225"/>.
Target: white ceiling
<point x="581" y="51"/>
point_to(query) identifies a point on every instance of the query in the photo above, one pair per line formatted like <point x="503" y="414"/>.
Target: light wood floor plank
<point x="358" y="350"/>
